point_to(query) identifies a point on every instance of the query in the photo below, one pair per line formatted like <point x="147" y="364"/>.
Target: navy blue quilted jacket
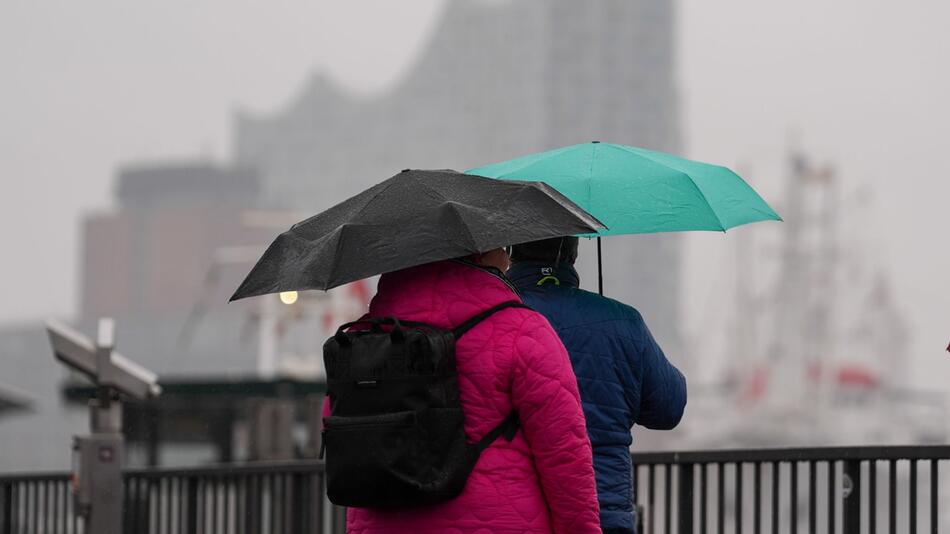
<point x="623" y="376"/>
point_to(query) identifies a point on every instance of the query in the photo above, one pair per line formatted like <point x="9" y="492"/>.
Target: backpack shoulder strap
<point x="461" y="329"/>
<point x="507" y="428"/>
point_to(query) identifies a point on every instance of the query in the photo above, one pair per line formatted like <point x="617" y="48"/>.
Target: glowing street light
<point x="288" y="297"/>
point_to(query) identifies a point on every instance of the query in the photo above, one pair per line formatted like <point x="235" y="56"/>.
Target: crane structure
<point x="817" y="349"/>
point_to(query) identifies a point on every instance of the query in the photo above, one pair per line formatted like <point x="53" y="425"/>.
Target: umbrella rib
<point x="437" y="194"/>
<point x="419" y="183"/>
<point x="684" y="173"/>
<point x="358" y="212"/>
<point x="373" y="198"/>
<point x="336" y="255"/>
<point x="453" y="206"/>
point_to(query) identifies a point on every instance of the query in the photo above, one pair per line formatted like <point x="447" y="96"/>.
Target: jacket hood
<point x="434" y="292"/>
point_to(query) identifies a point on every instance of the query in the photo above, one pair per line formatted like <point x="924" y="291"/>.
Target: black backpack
<point x="395" y="436"/>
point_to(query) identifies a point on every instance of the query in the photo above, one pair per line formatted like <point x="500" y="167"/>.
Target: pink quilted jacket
<point x="543" y="480"/>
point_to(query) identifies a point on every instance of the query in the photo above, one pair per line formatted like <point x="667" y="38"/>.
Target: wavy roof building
<point x="497" y="79"/>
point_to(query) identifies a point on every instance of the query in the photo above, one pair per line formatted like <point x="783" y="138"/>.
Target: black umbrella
<point x="412" y="218"/>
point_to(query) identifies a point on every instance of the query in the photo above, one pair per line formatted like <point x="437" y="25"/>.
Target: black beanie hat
<point x="556" y="250"/>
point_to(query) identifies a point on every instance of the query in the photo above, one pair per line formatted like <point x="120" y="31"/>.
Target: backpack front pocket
<point x="394" y="459"/>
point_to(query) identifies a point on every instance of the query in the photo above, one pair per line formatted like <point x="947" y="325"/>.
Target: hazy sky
<point x="88" y="85"/>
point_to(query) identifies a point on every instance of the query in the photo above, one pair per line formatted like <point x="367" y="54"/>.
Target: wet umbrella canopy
<point x="638" y="191"/>
<point x="412" y="218"/>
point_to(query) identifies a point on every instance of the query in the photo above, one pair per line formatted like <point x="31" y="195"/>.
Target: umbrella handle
<point x="600" y="269"/>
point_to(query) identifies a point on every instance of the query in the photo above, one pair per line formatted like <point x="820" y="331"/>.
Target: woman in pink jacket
<point x="543" y="480"/>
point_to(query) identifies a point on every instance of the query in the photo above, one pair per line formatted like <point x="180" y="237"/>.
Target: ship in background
<point x="814" y="350"/>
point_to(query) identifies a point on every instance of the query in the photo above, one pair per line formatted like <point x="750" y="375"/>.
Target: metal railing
<point x="782" y="491"/>
<point x="819" y="490"/>
<point x="258" y="498"/>
<point x="37" y="503"/>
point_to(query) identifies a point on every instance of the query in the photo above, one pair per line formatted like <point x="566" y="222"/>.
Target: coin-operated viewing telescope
<point x="98" y="457"/>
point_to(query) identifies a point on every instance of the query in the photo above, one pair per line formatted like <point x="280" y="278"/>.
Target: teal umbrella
<point x="637" y="191"/>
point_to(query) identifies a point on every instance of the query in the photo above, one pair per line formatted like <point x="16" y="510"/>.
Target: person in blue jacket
<point x="623" y="375"/>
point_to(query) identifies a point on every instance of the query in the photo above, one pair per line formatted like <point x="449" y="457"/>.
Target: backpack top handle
<point x="375" y="324"/>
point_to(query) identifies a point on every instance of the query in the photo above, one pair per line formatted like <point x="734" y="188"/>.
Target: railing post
<point x="337" y="520"/>
<point x="252" y="503"/>
<point x="851" y="516"/>
<point x="6" y="527"/>
<point x="685" y="499"/>
<point x="316" y="502"/>
<point x="192" y="499"/>
<point x="299" y="511"/>
<point x="912" y="508"/>
<point x="934" y="496"/>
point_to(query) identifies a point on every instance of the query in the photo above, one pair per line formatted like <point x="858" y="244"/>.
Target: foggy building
<point x="150" y="262"/>
<point x="496" y="80"/>
<point x="150" y="254"/>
